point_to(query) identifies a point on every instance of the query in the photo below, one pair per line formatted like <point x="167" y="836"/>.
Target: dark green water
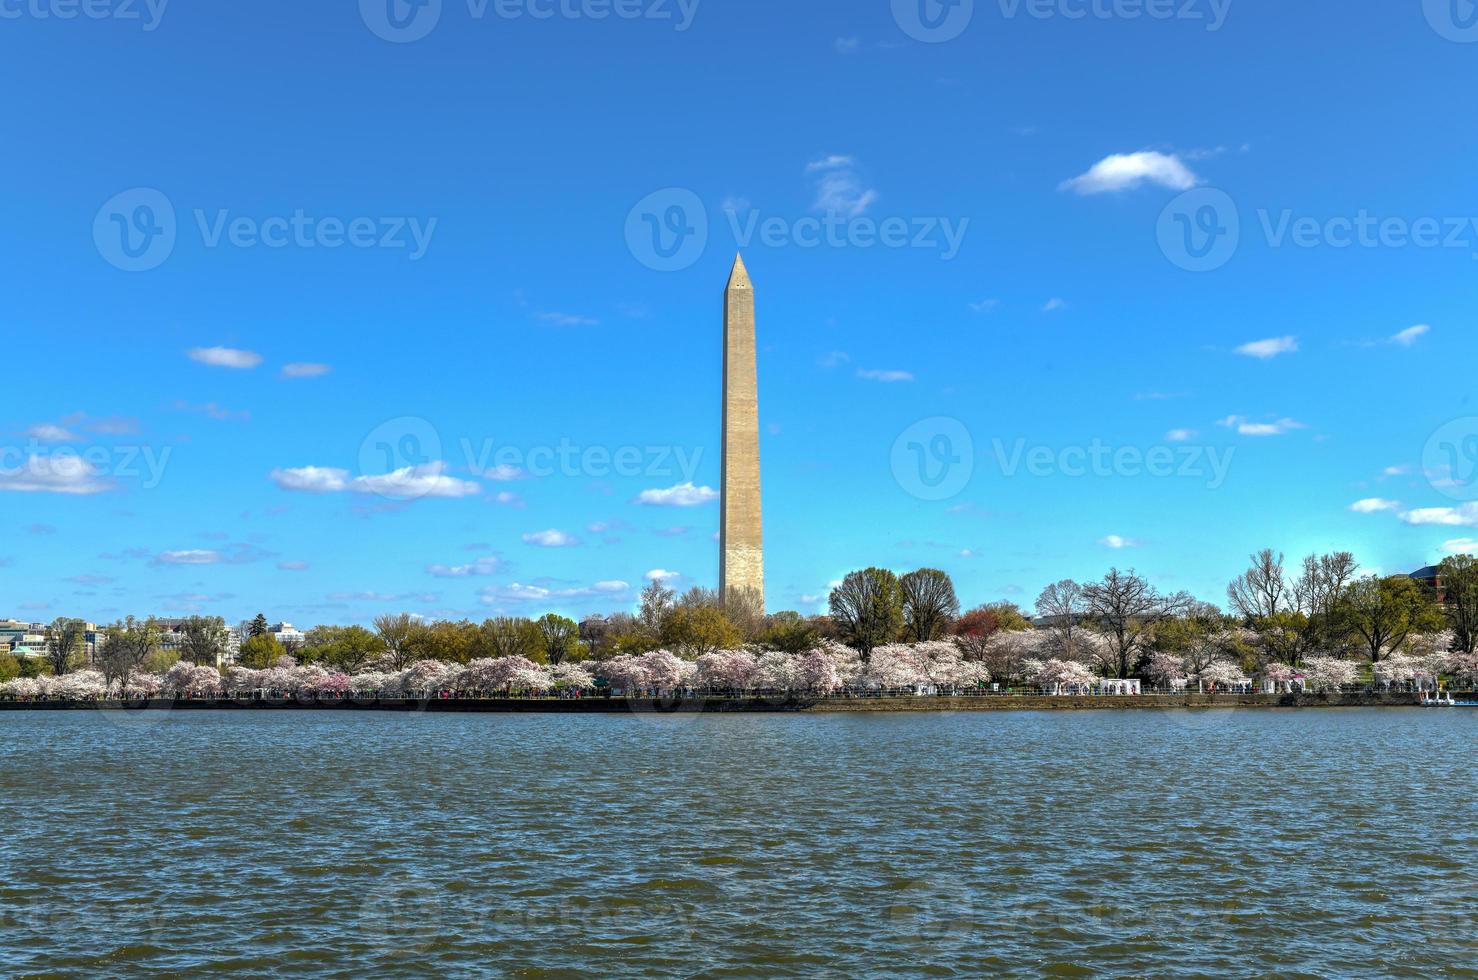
<point x="1335" y="843"/>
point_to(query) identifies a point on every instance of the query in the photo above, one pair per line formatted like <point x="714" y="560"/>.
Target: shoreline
<point x="728" y="705"/>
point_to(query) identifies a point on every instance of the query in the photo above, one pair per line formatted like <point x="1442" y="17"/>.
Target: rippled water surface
<point x="1334" y="842"/>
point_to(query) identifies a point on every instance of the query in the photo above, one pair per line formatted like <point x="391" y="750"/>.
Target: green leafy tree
<point x="1384" y="612"/>
<point x="511" y="636"/>
<point x="693" y="631"/>
<point x="261" y="651"/>
<point x="560" y="636"/>
<point x="395" y="633"/>
<point x="1459" y="576"/>
<point x="10" y="668"/>
<point x="929" y="604"/>
<point x="351" y="649"/>
<point x="868" y="609"/>
<point x="790" y="632"/>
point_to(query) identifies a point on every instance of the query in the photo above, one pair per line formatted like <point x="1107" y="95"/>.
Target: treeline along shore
<point x="680" y="703"/>
<point x="1321" y="629"/>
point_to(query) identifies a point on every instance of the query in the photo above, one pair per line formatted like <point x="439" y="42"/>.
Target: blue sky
<point x="353" y="252"/>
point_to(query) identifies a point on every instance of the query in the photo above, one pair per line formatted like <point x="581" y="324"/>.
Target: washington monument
<point x="741" y="574"/>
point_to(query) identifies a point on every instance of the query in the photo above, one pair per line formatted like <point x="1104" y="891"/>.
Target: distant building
<point x="1432" y="579"/>
<point x="288" y="635"/>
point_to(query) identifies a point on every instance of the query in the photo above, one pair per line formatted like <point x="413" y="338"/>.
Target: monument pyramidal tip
<point x="741" y="536"/>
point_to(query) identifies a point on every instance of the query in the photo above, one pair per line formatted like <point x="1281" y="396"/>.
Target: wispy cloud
<point x="1181" y="435"/>
<point x="1247" y="427"/>
<point x="50" y="432"/>
<point x="1125" y="171"/>
<point x="661" y="575"/>
<point x="569" y="320"/>
<point x="486" y="565"/>
<point x="847" y="45"/>
<point x="551" y="538"/>
<point x="1053" y="305"/>
<point x="682" y="495"/>
<point x="226" y="357"/>
<point x="1374" y="505"/>
<point x="1411" y="335"/>
<point x="1460" y="546"/>
<point x="428" y="480"/>
<point x="1117" y="542"/>
<point x="834" y="359"/>
<point x="985" y="306"/>
<point x="518" y="593"/>
<point x="1269" y="348"/>
<point x="68" y="475"/>
<point x="1464" y="515"/>
<point x="840" y="188"/>
<point x="303" y="369"/>
<point x="885" y="376"/>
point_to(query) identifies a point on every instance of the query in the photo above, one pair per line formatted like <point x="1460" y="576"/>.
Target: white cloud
<point x="1400" y="470"/>
<point x="518" y="592"/>
<point x="1124" y="171"/>
<point x="69" y="475"/>
<point x="48" y="432"/>
<point x="985" y="306"/>
<point x="682" y="495"/>
<point x="1374" y="505"/>
<point x="1181" y="435"/>
<point x="1411" y="335"/>
<point x="301" y="369"/>
<point x="1053" y="305"/>
<point x="1464" y="515"/>
<point x="569" y="320"/>
<point x="1247" y="427"/>
<point x="840" y="188"/>
<point x="1117" y="542"/>
<point x="551" y="538"/>
<point x="1460" y="546"/>
<point x="190" y="557"/>
<point x="833" y="359"/>
<point x="1269" y="348"/>
<point x="848" y="45"/>
<point x="661" y="575"/>
<point x="887" y="377"/>
<point x="427" y="480"/>
<point x="293" y="566"/>
<point x="482" y="566"/>
<point x="226" y="357"/>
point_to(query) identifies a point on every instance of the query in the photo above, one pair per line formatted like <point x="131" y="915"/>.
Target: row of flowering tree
<point x="1035" y="658"/>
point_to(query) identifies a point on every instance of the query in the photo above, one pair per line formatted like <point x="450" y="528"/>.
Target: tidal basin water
<point x="1316" y="842"/>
